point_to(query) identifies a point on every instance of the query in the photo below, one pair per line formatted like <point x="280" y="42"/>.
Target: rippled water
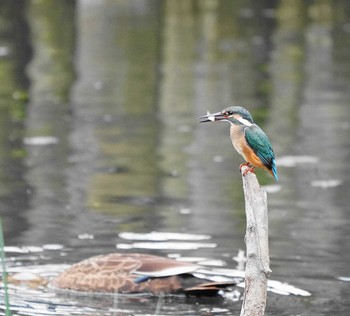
<point x="101" y="150"/>
<point x="35" y="296"/>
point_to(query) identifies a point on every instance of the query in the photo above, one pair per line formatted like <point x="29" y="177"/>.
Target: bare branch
<point x="256" y="239"/>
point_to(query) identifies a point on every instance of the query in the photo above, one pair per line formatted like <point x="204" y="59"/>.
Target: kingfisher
<point x="247" y="138"/>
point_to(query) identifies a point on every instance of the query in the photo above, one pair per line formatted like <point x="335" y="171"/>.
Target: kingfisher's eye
<point x="229" y="112"/>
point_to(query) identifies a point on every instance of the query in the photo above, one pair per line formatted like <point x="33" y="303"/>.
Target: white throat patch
<point x="244" y="121"/>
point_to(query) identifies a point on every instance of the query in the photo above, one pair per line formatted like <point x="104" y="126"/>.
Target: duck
<point x="136" y="273"/>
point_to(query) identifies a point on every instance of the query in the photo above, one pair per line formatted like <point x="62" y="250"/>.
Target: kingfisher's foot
<point x="247" y="164"/>
<point x="250" y="168"/>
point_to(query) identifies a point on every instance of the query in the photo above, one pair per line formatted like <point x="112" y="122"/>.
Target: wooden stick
<point x="258" y="262"/>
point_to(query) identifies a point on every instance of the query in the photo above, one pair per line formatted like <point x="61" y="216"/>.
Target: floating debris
<point x="40" y="140"/>
<point x="162" y="236"/>
<point x="292" y="161"/>
<point x="185" y="211"/>
<point x="282" y="288"/>
<point x="53" y="247"/>
<point x="86" y="236"/>
<point x="23" y="249"/>
<point x="285" y="288"/>
<point x="167" y="245"/>
<point x="344" y="278"/>
<point x="325" y="184"/>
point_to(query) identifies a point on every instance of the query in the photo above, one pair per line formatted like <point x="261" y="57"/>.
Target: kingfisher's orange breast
<point x="240" y="144"/>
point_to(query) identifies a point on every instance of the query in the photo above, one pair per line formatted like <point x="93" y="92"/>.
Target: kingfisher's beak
<point x="211" y="117"/>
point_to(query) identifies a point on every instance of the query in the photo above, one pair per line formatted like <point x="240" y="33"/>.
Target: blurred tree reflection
<point x="51" y="71"/>
<point x="14" y="54"/>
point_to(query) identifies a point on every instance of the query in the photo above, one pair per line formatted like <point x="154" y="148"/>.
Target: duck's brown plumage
<point x="117" y="273"/>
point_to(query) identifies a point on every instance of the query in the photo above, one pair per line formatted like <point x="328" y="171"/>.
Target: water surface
<point x="99" y="137"/>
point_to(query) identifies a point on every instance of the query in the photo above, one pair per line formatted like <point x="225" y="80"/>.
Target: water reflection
<point x="14" y="54"/>
<point x="118" y="86"/>
<point x="115" y="109"/>
<point x="52" y="74"/>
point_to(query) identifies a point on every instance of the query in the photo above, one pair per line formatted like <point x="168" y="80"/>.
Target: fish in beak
<point x="211" y="117"/>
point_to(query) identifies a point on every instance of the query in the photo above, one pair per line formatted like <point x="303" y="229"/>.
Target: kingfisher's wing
<point x="260" y="143"/>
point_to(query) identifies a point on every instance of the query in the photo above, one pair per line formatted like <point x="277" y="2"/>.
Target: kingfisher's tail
<point x="274" y="170"/>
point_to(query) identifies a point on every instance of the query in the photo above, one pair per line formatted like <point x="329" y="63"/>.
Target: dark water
<point x="99" y="137"/>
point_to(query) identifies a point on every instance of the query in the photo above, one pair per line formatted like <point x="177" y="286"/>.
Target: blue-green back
<point x="261" y="145"/>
